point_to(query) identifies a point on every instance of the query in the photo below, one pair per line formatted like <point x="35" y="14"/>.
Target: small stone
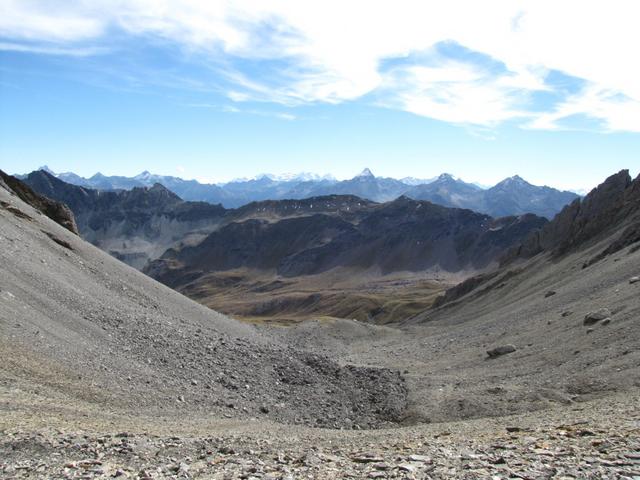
<point x="592" y="318"/>
<point x="367" y="459"/>
<point x="633" y="280"/>
<point x="420" y="458"/>
<point x="406" y="467"/>
<point x="567" y="313"/>
<point x="502" y="350"/>
<point x="589" y="330"/>
<point x="606" y="321"/>
<point x="194" y="383"/>
<point x="264" y="409"/>
<point x="550" y="293"/>
<point x="181" y="398"/>
<point x="377" y="475"/>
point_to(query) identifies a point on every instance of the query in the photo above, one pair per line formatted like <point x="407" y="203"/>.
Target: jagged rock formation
<point x="57" y="211"/>
<point x="613" y="205"/>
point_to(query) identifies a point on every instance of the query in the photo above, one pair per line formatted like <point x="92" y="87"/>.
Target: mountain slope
<point x="133" y="225"/>
<point x="515" y="196"/>
<point x="57" y="211"/>
<point x="449" y="192"/>
<point x="81" y="327"/>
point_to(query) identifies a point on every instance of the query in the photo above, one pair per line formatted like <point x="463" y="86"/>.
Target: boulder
<point x="592" y="318"/>
<point x="502" y="350"/>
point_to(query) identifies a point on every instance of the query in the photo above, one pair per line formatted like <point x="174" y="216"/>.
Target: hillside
<point x="75" y="319"/>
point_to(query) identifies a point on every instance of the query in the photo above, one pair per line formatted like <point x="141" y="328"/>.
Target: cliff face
<point x="56" y="211"/>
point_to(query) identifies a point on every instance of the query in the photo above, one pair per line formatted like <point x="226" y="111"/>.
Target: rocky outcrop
<point x="612" y="210"/>
<point x="615" y="204"/>
<point x="56" y="211"/>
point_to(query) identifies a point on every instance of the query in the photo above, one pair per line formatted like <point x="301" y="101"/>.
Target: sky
<point x="216" y="90"/>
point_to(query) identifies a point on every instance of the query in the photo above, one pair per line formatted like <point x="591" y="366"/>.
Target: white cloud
<point x="53" y="49"/>
<point x="614" y="111"/>
<point x="457" y="92"/>
<point x="334" y="51"/>
<point x="45" y="21"/>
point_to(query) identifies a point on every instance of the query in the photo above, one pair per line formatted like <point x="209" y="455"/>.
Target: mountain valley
<point x="257" y="303"/>
<point x="336" y="256"/>
<point x="107" y="372"/>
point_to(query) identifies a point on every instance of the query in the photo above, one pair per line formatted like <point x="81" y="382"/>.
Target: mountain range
<point x="196" y="247"/>
<point x="512" y="196"/>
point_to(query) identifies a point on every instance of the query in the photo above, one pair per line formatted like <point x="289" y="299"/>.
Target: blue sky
<point x="219" y="90"/>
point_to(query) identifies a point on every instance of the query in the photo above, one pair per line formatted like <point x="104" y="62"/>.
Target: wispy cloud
<point x="53" y="49"/>
<point x="246" y="111"/>
<point x="293" y="53"/>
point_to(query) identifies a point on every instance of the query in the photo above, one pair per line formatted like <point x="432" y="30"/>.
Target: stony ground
<point x="598" y="439"/>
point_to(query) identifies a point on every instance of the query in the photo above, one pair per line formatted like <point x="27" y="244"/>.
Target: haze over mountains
<point x="512" y="196"/>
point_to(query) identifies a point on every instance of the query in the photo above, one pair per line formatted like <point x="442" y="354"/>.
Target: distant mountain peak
<point x="45" y="168"/>
<point x="516" y="179"/>
<point x="144" y="175"/>
<point x="367" y="173"/>
<point x="446" y="176"/>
